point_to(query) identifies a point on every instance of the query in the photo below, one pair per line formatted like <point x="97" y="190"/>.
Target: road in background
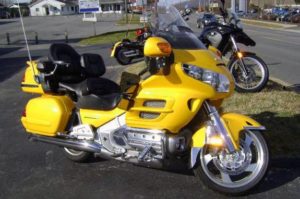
<point x="280" y="49"/>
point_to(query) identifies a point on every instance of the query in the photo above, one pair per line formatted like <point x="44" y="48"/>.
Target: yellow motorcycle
<point x="173" y="114"/>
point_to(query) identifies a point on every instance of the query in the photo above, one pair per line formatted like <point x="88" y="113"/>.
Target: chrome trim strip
<point x="157" y="131"/>
<point x="259" y="128"/>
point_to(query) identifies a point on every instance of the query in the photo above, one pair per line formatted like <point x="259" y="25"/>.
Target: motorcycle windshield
<point x="168" y="24"/>
<point x="235" y="20"/>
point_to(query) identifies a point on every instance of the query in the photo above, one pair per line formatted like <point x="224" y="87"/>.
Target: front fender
<point x="237" y="122"/>
<point x="234" y="122"/>
<point x="113" y="51"/>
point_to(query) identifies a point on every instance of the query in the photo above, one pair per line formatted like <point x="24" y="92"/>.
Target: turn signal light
<point x="216" y="141"/>
<point x="240" y="55"/>
<point x="24" y="77"/>
<point x="24" y="113"/>
<point x="165" y="48"/>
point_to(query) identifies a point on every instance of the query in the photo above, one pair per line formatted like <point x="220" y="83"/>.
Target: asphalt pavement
<point x="36" y="170"/>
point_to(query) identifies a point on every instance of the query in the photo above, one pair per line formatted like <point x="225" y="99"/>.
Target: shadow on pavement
<point x="283" y="138"/>
<point x="295" y="87"/>
<point x="7" y="50"/>
<point x="273" y="86"/>
<point x="282" y="172"/>
<point x="11" y="66"/>
<point x="5" y="22"/>
<point x="282" y="133"/>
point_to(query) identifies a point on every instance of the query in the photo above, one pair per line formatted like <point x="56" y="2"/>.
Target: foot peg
<point x="143" y="154"/>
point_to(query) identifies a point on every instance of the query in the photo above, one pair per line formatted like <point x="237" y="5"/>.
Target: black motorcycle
<point x="250" y="72"/>
<point x="126" y="50"/>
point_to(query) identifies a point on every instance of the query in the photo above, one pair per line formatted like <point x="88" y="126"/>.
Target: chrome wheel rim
<point x="238" y="169"/>
<point x="256" y="73"/>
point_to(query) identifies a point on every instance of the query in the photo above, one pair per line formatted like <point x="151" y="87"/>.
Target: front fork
<point x="239" y="56"/>
<point x="221" y="128"/>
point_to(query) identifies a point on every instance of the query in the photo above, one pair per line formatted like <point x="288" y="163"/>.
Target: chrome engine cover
<point x="139" y="139"/>
<point x="140" y="146"/>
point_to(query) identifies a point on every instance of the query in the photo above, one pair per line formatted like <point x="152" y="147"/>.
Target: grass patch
<point x="132" y="19"/>
<point x="276" y="108"/>
<point x="108" y="38"/>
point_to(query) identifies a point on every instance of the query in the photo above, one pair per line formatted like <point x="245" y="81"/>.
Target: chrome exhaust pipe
<point x="80" y="145"/>
<point x="131" y="53"/>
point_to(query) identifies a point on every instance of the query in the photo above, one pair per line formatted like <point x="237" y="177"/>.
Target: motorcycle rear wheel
<point x="237" y="173"/>
<point x="258" y="73"/>
<point x="76" y="156"/>
<point x="121" y="58"/>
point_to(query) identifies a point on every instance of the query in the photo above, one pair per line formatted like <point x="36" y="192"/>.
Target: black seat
<point x="96" y="93"/>
<point x="83" y="76"/>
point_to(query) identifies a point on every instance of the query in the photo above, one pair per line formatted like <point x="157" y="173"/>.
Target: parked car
<point x="186" y="12"/>
<point x="288" y="17"/>
<point x="206" y="19"/>
<point x="241" y="13"/>
<point x="269" y="16"/>
<point x="280" y="11"/>
<point x="4" y="14"/>
<point x="295" y="18"/>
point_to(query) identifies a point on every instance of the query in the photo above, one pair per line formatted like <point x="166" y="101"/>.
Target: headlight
<point x="220" y="82"/>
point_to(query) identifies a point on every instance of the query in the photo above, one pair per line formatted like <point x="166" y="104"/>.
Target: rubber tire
<point x="265" y="79"/>
<point x="82" y="157"/>
<point x="119" y="57"/>
<point x="198" y="171"/>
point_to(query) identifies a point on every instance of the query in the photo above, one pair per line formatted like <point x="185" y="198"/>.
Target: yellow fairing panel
<point x="170" y="99"/>
<point x="235" y="123"/>
<point x="28" y="84"/>
<point x="47" y="115"/>
<point x="97" y="118"/>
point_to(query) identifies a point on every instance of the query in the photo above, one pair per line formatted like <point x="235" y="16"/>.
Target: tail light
<point x="24" y="78"/>
<point x="24" y="113"/>
<point x="139" y="32"/>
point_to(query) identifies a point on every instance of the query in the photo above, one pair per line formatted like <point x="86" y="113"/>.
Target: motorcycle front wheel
<point x="236" y="173"/>
<point x="257" y="77"/>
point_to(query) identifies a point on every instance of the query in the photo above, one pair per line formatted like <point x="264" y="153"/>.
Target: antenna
<point x="26" y="41"/>
<point x="24" y="32"/>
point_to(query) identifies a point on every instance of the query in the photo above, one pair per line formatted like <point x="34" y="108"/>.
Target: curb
<point x="268" y="24"/>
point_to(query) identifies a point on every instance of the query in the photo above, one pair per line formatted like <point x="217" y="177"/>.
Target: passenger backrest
<point x="73" y="73"/>
<point x="93" y="65"/>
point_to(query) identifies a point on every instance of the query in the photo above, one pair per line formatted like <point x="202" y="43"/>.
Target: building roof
<point x="72" y="2"/>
